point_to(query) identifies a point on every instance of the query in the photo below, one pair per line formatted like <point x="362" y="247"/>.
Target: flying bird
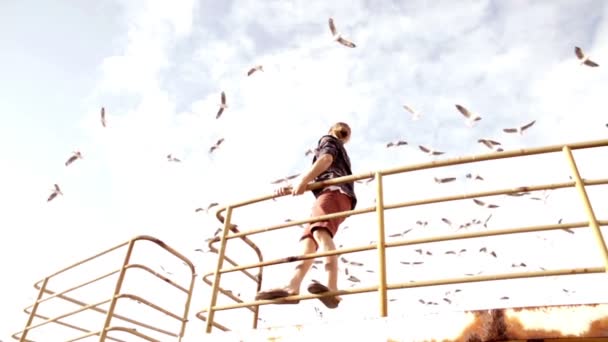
<point x="484" y="204"/>
<point x="56" y="191"/>
<point x="422" y="223"/>
<point x="411" y="262"/>
<point x="353" y="279"/>
<point x="521" y="129"/>
<point x="396" y="143"/>
<point x="415" y="113"/>
<point x="584" y="58"/>
<point x="476" y="177"/>
<point x="211" y="205"/>
<point x="337" y="36"/>
<point x="430" y="151"/>
<point x="485" y="223"/>
<point x="171" y="158"/>
<point x="285" y="179"/>
<point x="103" y="116"/>
<point x="223" y="106"/>
<point x="471" y="117"/>
<point x="444" y="180"/>
<point x="400" y="234"/>
<point x="366" y="181"/>
<point x="217" y="145"/>
<point x="75" y="155"/>
<point x="491" y="144"/>
<point x="545" y="195"/>
<point x="254" y="69"/>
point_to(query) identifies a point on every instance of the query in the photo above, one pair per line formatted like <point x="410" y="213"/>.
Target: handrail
<point x="428" y="165"/>
<point x="381" y="245"/>
<point x="418" y="241"/>
<point x="257" y="279"/>
<point x="42" y="287"/>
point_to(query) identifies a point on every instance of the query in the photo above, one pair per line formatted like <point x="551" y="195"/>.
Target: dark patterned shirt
<point x="328" y="144"/>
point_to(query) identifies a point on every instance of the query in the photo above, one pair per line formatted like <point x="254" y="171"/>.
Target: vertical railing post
<point x="187" y="307"/>
<point x="121" y="278"/>
<point x="34" y="308"/>
<point x="220" y="261"/>
<point x="595" y="227"/>
<point x="381" y="247"/>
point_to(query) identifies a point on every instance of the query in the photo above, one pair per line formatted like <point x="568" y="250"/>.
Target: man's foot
<point x="277" y="294"/>
<point x="318" y="288"/>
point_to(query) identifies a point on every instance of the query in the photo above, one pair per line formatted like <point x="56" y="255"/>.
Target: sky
<point x="159" y="70"/>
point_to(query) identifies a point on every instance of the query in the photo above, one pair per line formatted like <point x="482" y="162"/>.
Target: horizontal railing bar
<point x="83" y="261"/>
<point x="226" y="293"/>
<point x="103" y="311"/>
<point x="429" y="165"/>
<point x="203" y="318"/>
<point x="66" y="315"/>
<point x="461" y="280"/>
<point x="492" y="193"/>
<point x="158" y="275"/>
<point x="503" y="191"/>
<point x="76" y="287"/>
<point x="502" y="276"/>
<point x="154" y="306"/>
<point x="493" y="232"/>
<point x="233" y="263"/>
<point x="459" y="236"/>
<point x="495" y="155"/>
<point x="133" y="331"/>
<point x="68" y="325"/>
<point x="245" y="239"/>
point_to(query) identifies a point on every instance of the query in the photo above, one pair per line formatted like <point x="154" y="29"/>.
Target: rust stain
<point x="494" y="325"/>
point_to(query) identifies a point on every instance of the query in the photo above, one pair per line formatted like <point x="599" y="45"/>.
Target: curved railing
<point x="256" y="278"/>
<point x="46" y="295"/>
<point x="229" y="232"/>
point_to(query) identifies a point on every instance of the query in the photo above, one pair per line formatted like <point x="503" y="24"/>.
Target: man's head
<point x="341" y="131"/>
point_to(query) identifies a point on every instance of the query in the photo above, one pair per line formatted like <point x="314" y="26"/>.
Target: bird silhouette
<point x="444" y="180"/>
<point x="337" y="36"/>
<point x="415" y="114"/>
<point x="430" y="150"/>
<point x="584" y="58"/>
<point x="103" y="116"/>
<point x="216" y="145"/>
<point x="484" y="204"/>
<point x="56" y="191"/>
<point x="519" y="130"/>
<point x="396" y="143"/>
<point x="171" y="158"/>
<point x="254" y="69"/>
<point x="470" y="116"/>
<point x="223" y="105"/>
<point x="75" y="155"/>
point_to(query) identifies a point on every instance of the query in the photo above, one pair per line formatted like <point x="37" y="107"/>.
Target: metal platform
<point x="548" y="323"/>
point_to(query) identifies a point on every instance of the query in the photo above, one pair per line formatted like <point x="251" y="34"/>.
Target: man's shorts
<point x="328" y="202"/>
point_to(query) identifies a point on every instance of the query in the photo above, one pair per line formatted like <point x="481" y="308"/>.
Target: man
<point x="330" y="161"/>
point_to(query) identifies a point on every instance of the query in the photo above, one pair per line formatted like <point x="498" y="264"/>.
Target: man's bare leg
<point x="326" y="243"/>
<point x="308" y="247"/>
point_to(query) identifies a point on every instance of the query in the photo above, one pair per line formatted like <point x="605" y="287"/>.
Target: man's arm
<point x="320" y="165"/>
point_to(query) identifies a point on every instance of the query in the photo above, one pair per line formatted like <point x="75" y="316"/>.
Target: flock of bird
<point x="470" y="118"/>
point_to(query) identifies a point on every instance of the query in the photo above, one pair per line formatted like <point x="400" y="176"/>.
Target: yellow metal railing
<point x="110" y="313"/>
<point x="381" y="244"/>
<point x="256" y="278"/>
